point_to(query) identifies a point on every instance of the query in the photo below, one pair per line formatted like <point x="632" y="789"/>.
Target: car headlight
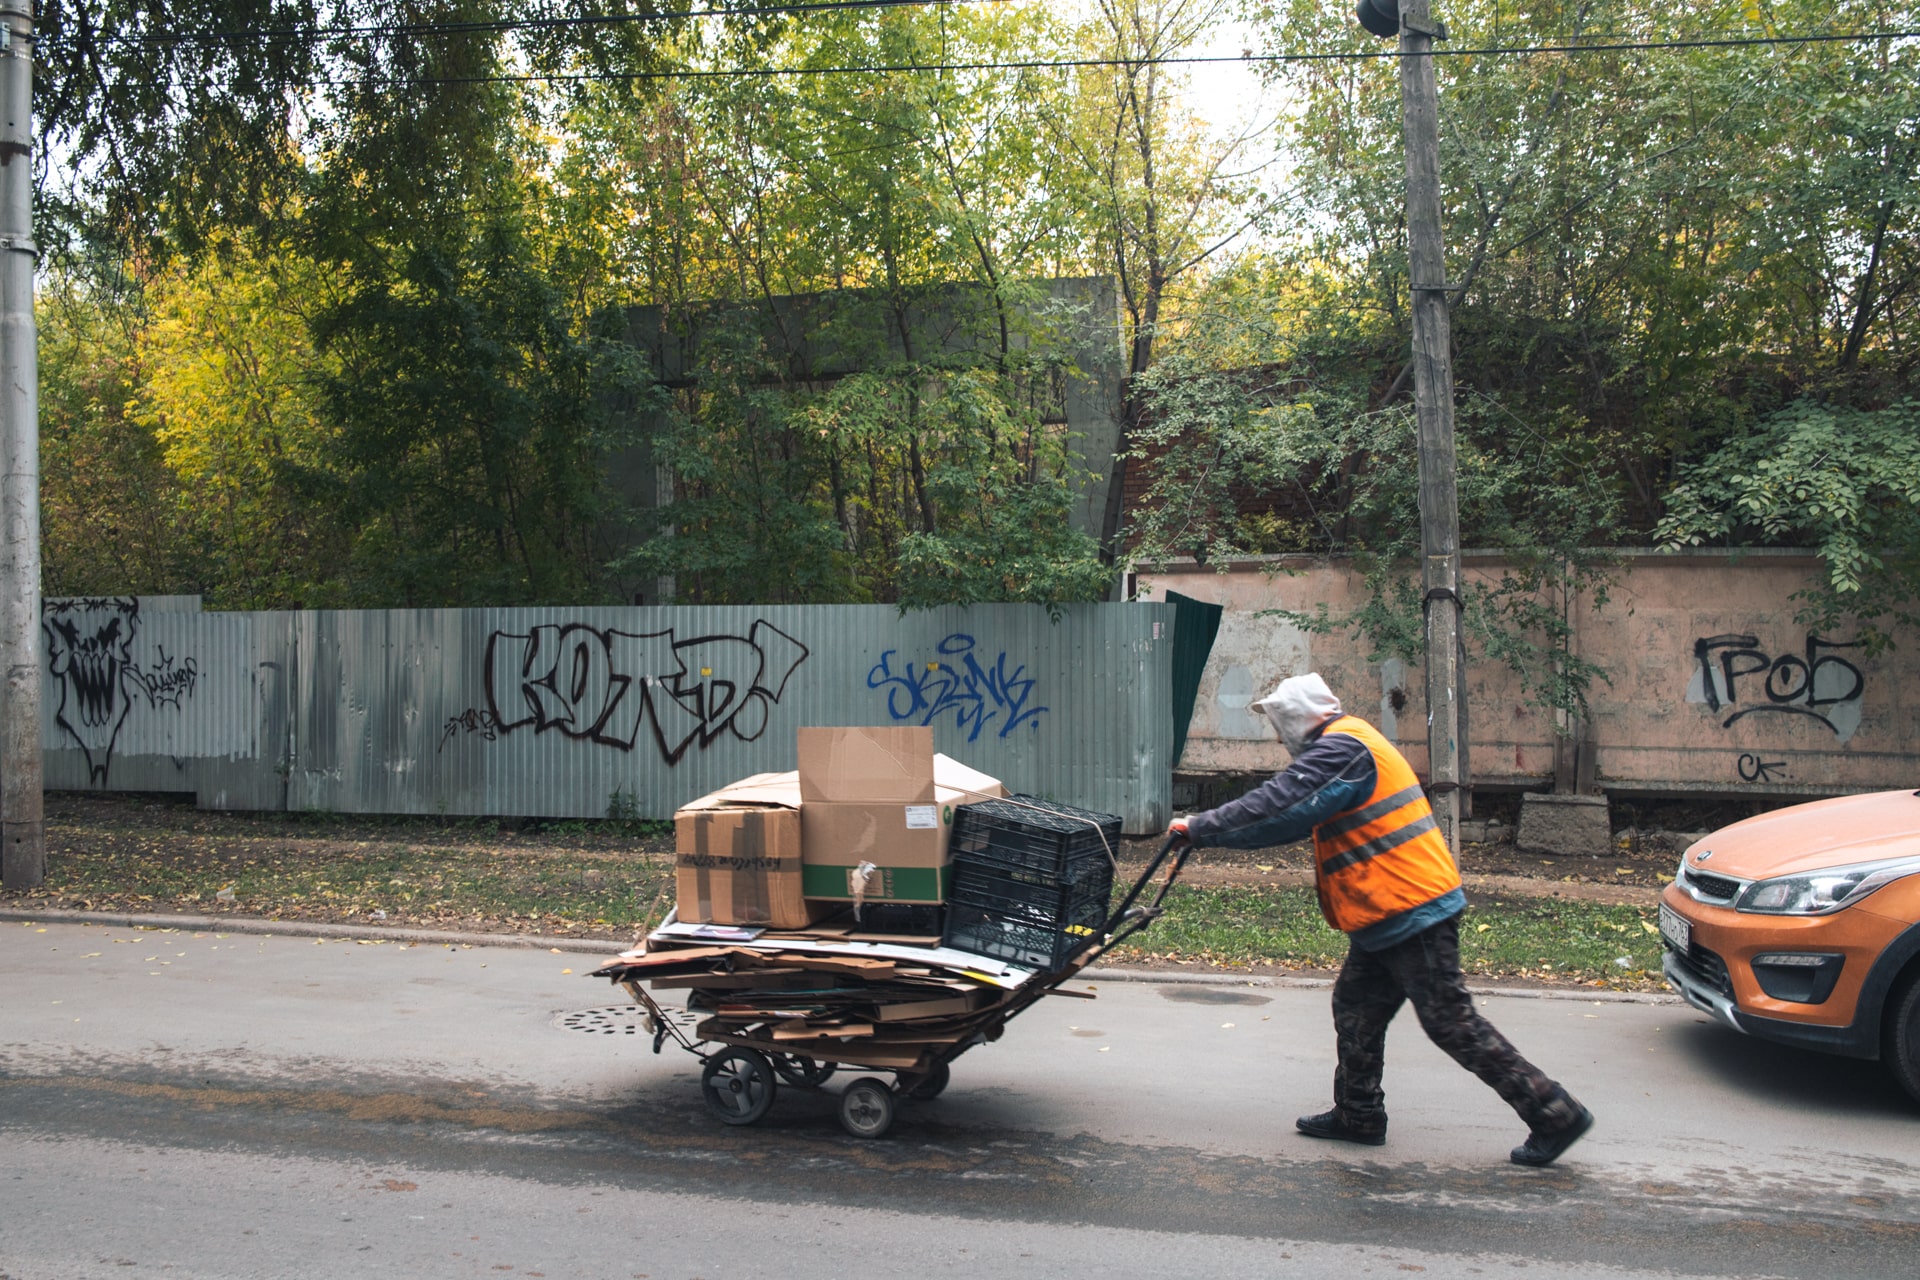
<point x="1819" y="893"/>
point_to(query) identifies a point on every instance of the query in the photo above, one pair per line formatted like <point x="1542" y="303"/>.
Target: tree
<point x="228" y="394"/>
<point x="1844" y="481"/>
<point x="1159" y="196"/>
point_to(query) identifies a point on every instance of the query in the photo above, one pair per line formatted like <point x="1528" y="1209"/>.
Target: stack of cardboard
<point x="845" y="1000"/>
<point x="780" y="878"/>
<point x="867" y="818"/>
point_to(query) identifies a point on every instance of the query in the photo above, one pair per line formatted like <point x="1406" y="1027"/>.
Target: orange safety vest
<point x="1386" y="855"/>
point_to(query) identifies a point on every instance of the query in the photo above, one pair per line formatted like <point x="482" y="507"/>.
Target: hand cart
<point x="739" y="1071"/>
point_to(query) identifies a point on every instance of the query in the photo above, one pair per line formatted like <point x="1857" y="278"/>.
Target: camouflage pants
<point x="1425" y="969"/>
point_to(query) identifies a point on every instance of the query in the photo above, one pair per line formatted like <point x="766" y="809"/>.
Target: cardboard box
<point x="737" y="856"/>
<point x="880" y="795"/>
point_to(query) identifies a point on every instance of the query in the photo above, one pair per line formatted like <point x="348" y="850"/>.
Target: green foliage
<point x="107" y="497"/>
<point x="329" y="320"/>
<point x="1844" y="481"/>
<point x="1654" y="247"/>
<point x="474" y="426"/>
<point x="1222" y="447"/>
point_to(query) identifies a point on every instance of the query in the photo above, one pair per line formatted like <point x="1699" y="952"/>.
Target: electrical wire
<point x="519" y="24"/>
<point x="1041" y="64"/>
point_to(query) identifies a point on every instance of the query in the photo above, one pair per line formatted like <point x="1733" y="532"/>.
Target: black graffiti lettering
<point x="90" y="657"/>
<point x="1818" y="663"/>
<point x="1753" y="769"/>
<point x="1795" y="683"/>
<point x="473" y="720"/>
<point x="1703" y="651"/>
<point x="1792" y="683"/>
<point x="599" y="685"/>
<point x="1741" y="662"/>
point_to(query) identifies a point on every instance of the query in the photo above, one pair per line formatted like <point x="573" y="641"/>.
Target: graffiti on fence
<point x="90" y="657"/>
<point x="472" y="720"/>
<point x="959" y="683"/>
<point x="601" y="685"/>
<point x="1731" y="673"/>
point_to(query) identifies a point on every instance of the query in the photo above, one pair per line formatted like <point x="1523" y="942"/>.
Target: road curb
<point x="606" y="947"/>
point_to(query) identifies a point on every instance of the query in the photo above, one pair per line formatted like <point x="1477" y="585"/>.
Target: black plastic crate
<point x="1046" y="946"/>
<point x="1023" y="893"/>
<point x="1032" y="835"/>
<point x="1011" y="917"/>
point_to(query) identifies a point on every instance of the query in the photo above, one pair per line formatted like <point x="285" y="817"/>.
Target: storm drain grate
<point x="614" y="1020"/>
<point x="620" y="1020"/>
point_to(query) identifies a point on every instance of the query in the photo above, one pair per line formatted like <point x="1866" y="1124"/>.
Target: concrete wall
<point x="1714" y="687"/>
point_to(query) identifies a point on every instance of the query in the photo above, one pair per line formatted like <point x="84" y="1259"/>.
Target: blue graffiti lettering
<point x="957" y="682"/>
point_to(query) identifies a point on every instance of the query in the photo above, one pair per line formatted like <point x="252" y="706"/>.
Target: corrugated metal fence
<point x="591" y="712"/>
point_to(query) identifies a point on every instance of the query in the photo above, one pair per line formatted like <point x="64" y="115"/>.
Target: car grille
<point x="1704" y="965"/>
<point x="1712" y="886"/>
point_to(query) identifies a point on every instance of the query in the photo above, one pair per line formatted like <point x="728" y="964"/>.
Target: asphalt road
<point x="212" y="1106"/>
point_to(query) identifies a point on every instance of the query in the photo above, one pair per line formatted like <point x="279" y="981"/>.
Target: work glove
<point x="1177" y="832"/>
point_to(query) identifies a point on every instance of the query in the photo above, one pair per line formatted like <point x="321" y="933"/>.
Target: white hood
<point x="1297" y="706"/>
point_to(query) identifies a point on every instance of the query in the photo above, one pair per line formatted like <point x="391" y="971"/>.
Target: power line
<point x="501" y="25"/>
<point x="1041" y="64"/>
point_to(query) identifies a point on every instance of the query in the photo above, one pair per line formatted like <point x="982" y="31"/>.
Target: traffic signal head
<point x="1382" y="17"/>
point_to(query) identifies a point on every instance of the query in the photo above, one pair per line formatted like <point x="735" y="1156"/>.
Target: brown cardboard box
<point x="738" y="856"/>
<point x="858" y="766"/>
<point x="880" y="795"/>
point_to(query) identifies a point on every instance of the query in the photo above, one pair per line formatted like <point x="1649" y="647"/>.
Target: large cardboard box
<point x="737" y="856"/>
<point x="880" y="796"/>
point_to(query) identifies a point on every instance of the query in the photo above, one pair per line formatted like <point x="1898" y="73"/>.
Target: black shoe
<point x="1545" y="1148"/>
<point x="1331" y="1124"/>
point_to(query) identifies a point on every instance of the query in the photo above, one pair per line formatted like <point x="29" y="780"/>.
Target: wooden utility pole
<point x="1432" y="396"/>
<point x="23" y="845"/>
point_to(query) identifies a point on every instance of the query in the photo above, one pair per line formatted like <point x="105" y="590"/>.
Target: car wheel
<point x="1902" y="1049"/>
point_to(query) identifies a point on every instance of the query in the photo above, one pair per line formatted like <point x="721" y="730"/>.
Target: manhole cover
<point x="614" y="1020"/>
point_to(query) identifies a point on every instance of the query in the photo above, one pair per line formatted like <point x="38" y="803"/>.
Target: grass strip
<point x="1547" y="939"/>
<point x="611" y="893"/>
<point x="425" y="887"/>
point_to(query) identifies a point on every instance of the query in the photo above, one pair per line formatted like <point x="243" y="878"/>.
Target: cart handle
<point x="1127" y="919"/>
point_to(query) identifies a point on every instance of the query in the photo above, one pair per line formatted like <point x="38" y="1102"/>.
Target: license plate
<point x="1675" y="928"/>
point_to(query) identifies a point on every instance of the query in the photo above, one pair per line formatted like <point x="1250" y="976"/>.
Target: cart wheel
<point x="738" y="1085"/>
<point x="802" y="1073"/>
<point x="866" y="1108"/>
<point x="933" y="1084"/>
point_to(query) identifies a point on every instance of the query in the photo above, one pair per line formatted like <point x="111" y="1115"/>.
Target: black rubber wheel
<point x="933" y="1084"/>
<point x="1901" y="1051"/>
<point x="738" y="1085"/>
<point x="802" y="1073"/>
<point x="866" y="1108"/>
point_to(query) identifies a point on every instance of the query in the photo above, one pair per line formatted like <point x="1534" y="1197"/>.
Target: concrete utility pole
<point x="1432" y="395"/>
<point x="23" y="844"/>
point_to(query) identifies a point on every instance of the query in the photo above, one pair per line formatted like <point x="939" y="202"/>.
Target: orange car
<point x="1803" y="926"/>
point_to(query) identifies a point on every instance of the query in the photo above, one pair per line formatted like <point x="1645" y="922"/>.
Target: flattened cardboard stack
<point x="889" y="1007"/>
